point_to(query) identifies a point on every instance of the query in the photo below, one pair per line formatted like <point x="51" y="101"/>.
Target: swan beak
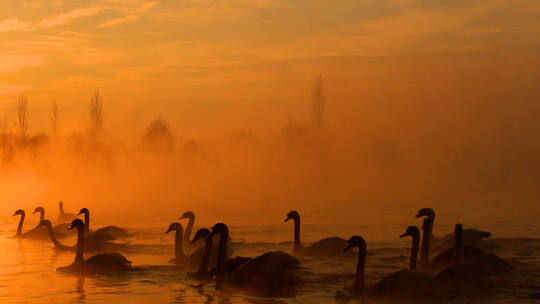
<point x="35" y="211"/>
<point x="349" y="246"/>
<point x="418" y="215"/>
<point x="403" y="235"/>
<point x="288" y="218"/>
<point x="168" y="230"/>
<point x="80" y="212"/>
<point x="70" y="227"/>
<point x="14" y="214"/>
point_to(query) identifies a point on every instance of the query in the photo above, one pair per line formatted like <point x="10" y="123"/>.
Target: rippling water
<point x="27" y="268"/>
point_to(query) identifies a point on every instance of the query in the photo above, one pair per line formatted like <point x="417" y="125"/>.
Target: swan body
<point x="470" y="236"/>
<point x="100" y="263"/>
<point x="330" y="246"/>
<point x="446" y="258"/>
<point x="62" y="216"/>
<point x="112" y="231"/>
<point x="267" y="273"/>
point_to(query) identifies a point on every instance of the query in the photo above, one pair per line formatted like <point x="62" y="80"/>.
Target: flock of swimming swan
<point x="457" y="263"/>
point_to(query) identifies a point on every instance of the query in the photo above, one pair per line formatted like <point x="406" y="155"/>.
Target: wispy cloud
<point x="14" y="24"/>
<point x="69" y="16"/>
<point x="132" y="16"/>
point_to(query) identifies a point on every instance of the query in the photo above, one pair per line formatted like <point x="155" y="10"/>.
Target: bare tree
<point x="54" y="117"/>
<point x="96" y="114"/>
<point x="319" y="119"/>
<point x="22" y="111"/>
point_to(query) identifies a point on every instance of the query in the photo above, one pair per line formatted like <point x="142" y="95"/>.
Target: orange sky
<point x="218" y="58"/>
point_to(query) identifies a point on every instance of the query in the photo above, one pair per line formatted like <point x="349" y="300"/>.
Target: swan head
<point x="18" y="212"/>
<point x="77" y="223"/>
<point x="38" y="209"/>
<point x="45" y="223"/>
<point x="175" y="227"/>
<point x="218" y="229"/>
<point x="292" y="215"/>
<point x="412" y="231"/>
<point x="356" y="241"/>
<point x="202" y="233"/>
<point x="84" y="211"/>
<point x="188" y="215"/>
<point x="425" y="212"/>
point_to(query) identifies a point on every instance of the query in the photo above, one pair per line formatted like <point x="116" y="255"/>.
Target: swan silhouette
<point x="60" y="230"/>
<point x="469" y="269"/>
<point x="461" y="272"/>
<point x="407" y="283"/>
<point x="64" y="217"/>
<point x="202" y="272"/>
<point x="180" y="257"/>
<point x="189" y="245"/>
<point x="100" y="263"/>
<point x="470" y="236"/>
<point x="34" y="233"/>
<point x="92" y="242"/>
<point x="113" y="231"/>
<point x="330" y="246"/>
<point x="269" y="273"/>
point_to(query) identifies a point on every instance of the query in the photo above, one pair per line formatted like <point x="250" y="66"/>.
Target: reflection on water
<point x="27" y="268"/>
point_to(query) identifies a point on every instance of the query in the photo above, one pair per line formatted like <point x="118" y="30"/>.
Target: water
<point x="27" y="268"/>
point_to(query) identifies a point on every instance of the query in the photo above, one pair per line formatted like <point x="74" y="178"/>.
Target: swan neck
<point x="414" y="251"/>
<point x="21" y="222"/>
<point x="426" y="235"/>
<point x="297" y="243"/>
<point x="458" y="244"/>
<point x="189" y="228"/>
<point x="178" y="246"/>
<point x="359" y="280"/>
<point x="203" y="268"/>
<point x="61" y="208"/>
<point x="53" y="237"/>
<point x="222" y="251"/>
<point x="79" y="258"/>
<point x="41" y="215"/>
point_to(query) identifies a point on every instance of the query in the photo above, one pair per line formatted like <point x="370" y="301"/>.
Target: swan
<point x="450" y="256"/>
<point x="104" y="262"/>
<point x="93" y="242"/>
<point x="180" y="257"/>
<point x="470" y="268"/>
<point x="112" y="231"/>
<point x="61" y="230"/>
<point x="63" y="217"/>
<point x="190" y="245"/>
<point x="407" y="283"/>
<point x="330" y="246"/>
<point x="268" y="273"/>
<point x="230" y="264"/>
<point x="461" y="271"/>
<point x="469" y="235"/>
<point x="33" y="233"/>
<point x="202" y="273"/>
